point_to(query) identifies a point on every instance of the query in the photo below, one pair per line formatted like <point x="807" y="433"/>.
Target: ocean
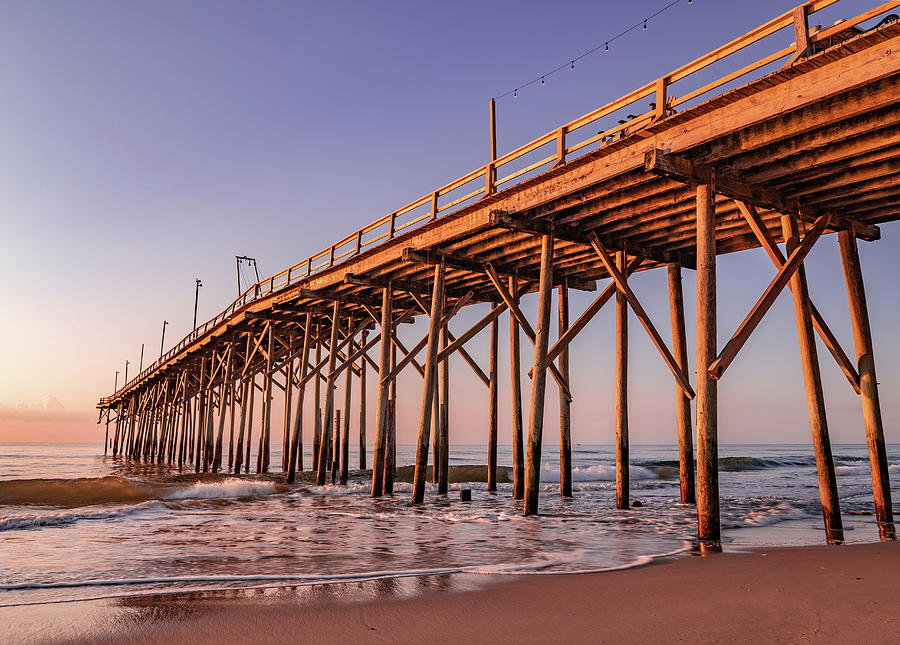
<point x="77" y="525"/>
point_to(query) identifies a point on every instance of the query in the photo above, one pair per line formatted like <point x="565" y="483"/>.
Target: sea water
<point x="75" y="524"/>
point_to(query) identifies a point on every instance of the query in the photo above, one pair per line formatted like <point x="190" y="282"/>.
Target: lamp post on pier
<point x="163" y="339"/>
<point x="196" y="299"/>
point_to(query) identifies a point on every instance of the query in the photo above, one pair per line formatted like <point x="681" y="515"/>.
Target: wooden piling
<point x="295" y="460"/>
<point x="815" y="397"/>
<point x="622" y="478"/>
<point x="250" y="422"/>
<point x="329" y="393"/>
<point x="390" y="454"/>
<point x="384" y="368"/>
<point x="288" y="395"/>
<point x="565" y="411"/>
<point x="223" y="408"/>
<point x="317" y="395"/>
<point x="201" y="415"/>
<point x="683" y="423"/>
<point x="348" y="393"/>
<point x="262" y="455"/>
<point x="868" y="383"/>
<point x="336" y="452"/>
<point x="363" y="367"/>
<point x="443" y="465"/>
<point x="515" y="388"/>
<point x="429" y="388"/>
<point x="492" y="407"/>
<point x="708" y="526"/>
<point x="539" y="379"/>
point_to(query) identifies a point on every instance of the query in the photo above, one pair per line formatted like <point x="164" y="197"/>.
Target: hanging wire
<point x="605" y="46"/>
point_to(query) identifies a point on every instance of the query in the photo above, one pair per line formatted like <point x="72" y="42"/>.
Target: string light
<point x="642" y="23"/>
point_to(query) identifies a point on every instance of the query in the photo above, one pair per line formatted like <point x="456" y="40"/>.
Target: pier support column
<point x="317" y="407"/>
<point x="223" y="400"/>
<point x="348" y="394"/>
<point x="296" y="457"/>
<point x="492" y="408"/>
<point x="565" y="412"/>
<point x="288" y="402"/>
<point x="328" y="416"/>
<point x="262" y="457"/>
<point x="539" y="379"/>
<point x="815" y="398"/>
<point x="622" y="481"/>
<point x="708" y="525"/>
<point x="868" y="384"/>
<point x="201" y="415"/>
<point x="252" y="383"/>
<point x="429" y="389"/>
<point x="683" y="423"/>
<point x="390" y="451"/>
<point x="363" y="368"/>
<point x="384" y="368"/>
<point x="515" y="388"/>
<point x="443" y="465"/>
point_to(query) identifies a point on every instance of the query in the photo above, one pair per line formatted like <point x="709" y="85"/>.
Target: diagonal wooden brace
<point x="471" y="361"/>
<point x="525" y="325"/>
<point x="731" y="349"/>
<point x="768" y="243"/>
<point x="421" y="344"/>
<point x="371" y="343"/>
<point x="635" y="304"/>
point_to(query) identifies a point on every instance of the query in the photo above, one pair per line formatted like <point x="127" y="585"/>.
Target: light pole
<point x="141" y="364"/>
<point x="196" y="298"/>
<point x="163" y="339"/>
<point x="243" y="258"/>
<point x="126" y="371"/>
<point x="116" y="386"/>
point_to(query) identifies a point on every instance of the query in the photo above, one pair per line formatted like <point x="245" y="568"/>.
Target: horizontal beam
<point x="518" y="222"/>
<point x="683" y="169"/>
<point x="477" y="266"/>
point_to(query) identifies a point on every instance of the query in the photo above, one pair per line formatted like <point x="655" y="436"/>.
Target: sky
<point x="147" y="144"/>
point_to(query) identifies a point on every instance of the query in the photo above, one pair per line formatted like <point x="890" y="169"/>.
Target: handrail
<point x="664" y="104"/>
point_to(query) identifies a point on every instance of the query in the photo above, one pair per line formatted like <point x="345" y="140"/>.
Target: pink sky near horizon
<point x="147" y="145"/>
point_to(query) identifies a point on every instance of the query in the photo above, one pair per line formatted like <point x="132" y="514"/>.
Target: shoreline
<point x="779" y="595"/>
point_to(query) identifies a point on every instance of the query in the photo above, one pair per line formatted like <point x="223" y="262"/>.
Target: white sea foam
<point x="28" y="521"/>
<point x="224" y="489"/>
<point x="597" y="473"/>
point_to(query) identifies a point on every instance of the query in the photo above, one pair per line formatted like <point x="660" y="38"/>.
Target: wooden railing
<point x="429" y="206"/>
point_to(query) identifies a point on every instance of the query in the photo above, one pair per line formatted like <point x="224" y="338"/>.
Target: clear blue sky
<point x="146" y="144"/>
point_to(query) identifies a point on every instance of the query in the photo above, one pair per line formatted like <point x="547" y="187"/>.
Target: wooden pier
<point x="801" y="143"/>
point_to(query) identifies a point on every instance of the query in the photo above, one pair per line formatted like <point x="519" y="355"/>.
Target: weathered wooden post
<point x="262" y="454"/>
<point x="329" y="394"/>
<point x="539" y="379"/>
<point x="622" y="478"/>
<point x="250" y="422"/>
<point x="443" y="466"/>
<point x="295" y="459"/>
<point x="201" y="414"/>
<point x="317" y="395"/>
<point x="492" y="407"/>
<point x="362" y="403"/>
<point x="708" y="527"/>
<point x="815" y="397"/>
<point x="390" y="455"/>
<point x="348" y="392"/>
<point x="288" y="394"/>
<point x="515" y="388"/>
<point x="429" y="388"/>
<point x="565" y="415"/>
<point x="384" y="368"/>
<point x="336" y="451"/>
<point x="868" y="383"/>
<point x="683" y="423"/>
<point x="223" y="389"/>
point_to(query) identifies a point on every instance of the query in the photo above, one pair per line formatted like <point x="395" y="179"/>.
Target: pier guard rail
<point x="563" y="144"/>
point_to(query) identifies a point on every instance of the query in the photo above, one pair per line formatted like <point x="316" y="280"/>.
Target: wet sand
<point x="844" y="594"/>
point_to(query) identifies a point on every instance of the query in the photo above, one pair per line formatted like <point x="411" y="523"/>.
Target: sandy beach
<point x="844" y="594"/>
